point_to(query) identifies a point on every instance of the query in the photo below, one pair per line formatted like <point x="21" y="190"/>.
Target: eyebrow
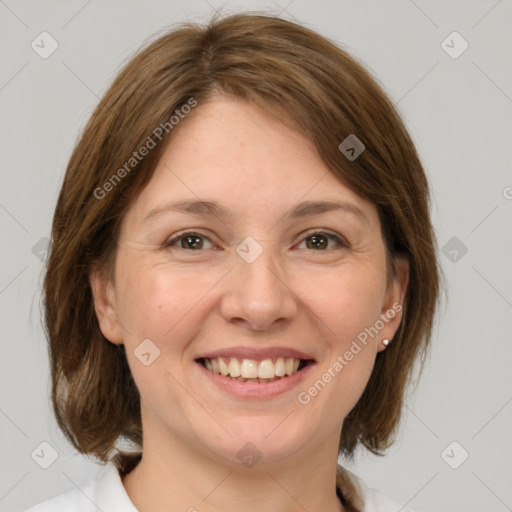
<point x="212" y="209"/>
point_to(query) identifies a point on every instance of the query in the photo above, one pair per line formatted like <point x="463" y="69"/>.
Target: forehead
<point x="233" y="152"/>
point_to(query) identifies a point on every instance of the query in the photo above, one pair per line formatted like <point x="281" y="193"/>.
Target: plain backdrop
<point x="454" y="450"/>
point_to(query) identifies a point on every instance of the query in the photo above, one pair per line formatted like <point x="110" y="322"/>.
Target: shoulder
<point x="106" y="493"/>
<point x="364" y="498"/>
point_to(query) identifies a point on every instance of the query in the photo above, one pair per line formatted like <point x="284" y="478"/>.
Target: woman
<point x="242" y="273"/>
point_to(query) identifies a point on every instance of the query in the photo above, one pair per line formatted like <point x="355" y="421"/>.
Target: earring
<point x="385" y="342"/>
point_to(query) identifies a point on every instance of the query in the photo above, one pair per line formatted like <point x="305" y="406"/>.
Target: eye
<point x="320" y="241"/>
<point x="189" y="240"/>
<point x="193" y="241"/>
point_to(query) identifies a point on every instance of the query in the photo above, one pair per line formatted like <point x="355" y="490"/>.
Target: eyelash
<point x="170" y="243"/>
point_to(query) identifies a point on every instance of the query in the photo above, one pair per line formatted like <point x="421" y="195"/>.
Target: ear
<point x="392" y="306"/>
<point x="105" y="306"/>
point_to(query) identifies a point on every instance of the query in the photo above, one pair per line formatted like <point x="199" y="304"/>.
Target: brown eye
<point x="320" y="241"/>
<point x="191" y="241"/>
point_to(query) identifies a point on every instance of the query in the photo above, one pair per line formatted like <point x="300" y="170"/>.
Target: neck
<point x="181" y="477"/>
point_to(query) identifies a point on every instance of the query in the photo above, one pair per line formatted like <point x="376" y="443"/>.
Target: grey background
<point x="459" y="113"/>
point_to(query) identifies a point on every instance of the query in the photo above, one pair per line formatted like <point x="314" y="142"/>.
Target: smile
<point x="252" y="370"/>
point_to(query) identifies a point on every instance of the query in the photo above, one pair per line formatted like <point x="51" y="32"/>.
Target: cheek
<point x="346" y="301"/>
<point x="346" y="305"/>
<point x="162" y="302"/>
<point x="145" y="300"/>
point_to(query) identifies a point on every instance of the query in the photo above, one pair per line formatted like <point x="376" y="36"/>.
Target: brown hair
<point x="283" y="68"/>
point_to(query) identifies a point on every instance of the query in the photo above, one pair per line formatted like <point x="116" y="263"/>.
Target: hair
<point x="306" y="81"/>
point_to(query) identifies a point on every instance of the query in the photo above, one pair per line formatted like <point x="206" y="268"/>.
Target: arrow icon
<point x="454" y="249"/>
<point x="147" y="352"/>
<point x="249" y="455"/>
<point x="454" y="455"/>
<point x="249" y="249"/>
<point x="44" y="455"/>
<point x="44" y="45"/>
<point x="40" y="249"/>
<point x="454" y="45"/>
<point x="351" y="147"/>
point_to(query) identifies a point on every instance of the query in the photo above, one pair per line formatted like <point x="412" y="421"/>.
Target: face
<point x="259" y="279"/>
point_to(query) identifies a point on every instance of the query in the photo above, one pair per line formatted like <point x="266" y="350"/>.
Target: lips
<point x="250" y="365"/>
<point x="254" y="388"/>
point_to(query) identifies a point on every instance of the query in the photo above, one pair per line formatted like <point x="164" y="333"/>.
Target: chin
<point x="259" y="441"/>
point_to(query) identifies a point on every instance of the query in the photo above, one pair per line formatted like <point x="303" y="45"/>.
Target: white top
<point x="107" y="493"/>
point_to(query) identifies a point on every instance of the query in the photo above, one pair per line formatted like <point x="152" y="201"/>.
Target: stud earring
<point x="385" y="342"/>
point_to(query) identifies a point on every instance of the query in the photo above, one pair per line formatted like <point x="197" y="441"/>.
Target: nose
<point x="257" y="294"/>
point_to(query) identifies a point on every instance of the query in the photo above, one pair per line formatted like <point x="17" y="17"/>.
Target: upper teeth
<point x="252" y="369"/>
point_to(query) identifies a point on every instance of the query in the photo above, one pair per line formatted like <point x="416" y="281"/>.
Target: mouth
<point x="261" y="371"/>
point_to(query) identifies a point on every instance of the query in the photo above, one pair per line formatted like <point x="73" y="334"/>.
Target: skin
<point x="189" y="301"/>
